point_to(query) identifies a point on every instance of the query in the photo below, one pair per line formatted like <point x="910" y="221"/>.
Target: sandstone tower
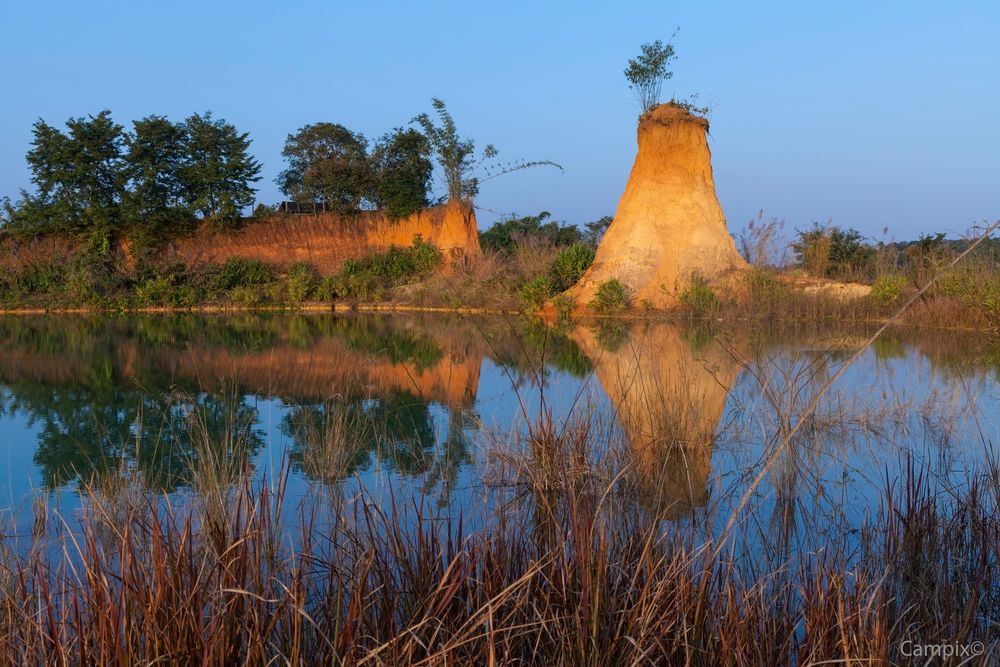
<point x="669" y="224"/>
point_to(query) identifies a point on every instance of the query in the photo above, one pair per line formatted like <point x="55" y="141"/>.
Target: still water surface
<point x="430" y="404"/>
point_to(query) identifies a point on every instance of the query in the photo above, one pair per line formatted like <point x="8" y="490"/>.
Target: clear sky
<point x="874" y="114"/>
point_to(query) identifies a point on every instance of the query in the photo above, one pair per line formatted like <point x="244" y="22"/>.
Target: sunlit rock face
<point x="669" y="224"/>
<point x="669" y="391"/>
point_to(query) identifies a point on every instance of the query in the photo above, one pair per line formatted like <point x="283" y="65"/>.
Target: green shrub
<point x="536" y="292"/>
<point x="611" y="297"/>
<point x="300" y="282"/>
<point x="564" y="305"/>
<point x="887" y="290"/>
<point x="569" y="265"/>
<point x="248" y="296"/>
<point x="239" y="272"/>
<point x="152" y="292"/>
<point x="699" y="298"/>
<point x="371" y="277"/>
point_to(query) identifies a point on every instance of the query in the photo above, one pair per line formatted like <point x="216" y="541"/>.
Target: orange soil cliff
<point x="325" y="240"/>
<point x="669" y="224"/>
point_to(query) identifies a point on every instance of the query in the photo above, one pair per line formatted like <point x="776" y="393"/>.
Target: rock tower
<point x="669" y="225"/>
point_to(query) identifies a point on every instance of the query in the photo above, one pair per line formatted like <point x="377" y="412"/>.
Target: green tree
<point x="155" y="157"/>
<point x="401" y="169"/>
<point x="504" y="235"/>
<point x="327" y="165"/>
<point x="457" y="156"/>
<point x="647" y="72"/>
<point x="219" y="171"/>
<point x="79" y="178"/>
<point x="594" y="231"/>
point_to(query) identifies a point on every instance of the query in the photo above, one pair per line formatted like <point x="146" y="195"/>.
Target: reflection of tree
<point x="88" y="431"/>
<point x="337" y="438"/>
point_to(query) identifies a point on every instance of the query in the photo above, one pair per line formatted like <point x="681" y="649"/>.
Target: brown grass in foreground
<point x="579" y="575"/>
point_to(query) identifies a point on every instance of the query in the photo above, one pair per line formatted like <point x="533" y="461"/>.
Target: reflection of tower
<point x="669" y="392"/>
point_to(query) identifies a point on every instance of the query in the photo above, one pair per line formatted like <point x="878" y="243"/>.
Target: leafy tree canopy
<point x="328" y="165"/>
<point x="506" y="234"/>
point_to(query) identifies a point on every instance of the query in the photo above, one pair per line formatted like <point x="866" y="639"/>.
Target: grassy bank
<point x="519" y="270"/>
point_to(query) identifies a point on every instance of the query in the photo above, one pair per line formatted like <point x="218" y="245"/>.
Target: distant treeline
<point x="101" y="180"/>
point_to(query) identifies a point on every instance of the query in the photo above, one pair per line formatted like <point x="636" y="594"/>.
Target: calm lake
<point x="433" y="408"/>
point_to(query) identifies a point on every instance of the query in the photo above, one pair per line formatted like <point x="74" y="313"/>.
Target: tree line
<point x="97" y="179"/>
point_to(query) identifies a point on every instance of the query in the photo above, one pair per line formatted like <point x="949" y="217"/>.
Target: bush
<point x="152" y="292"/>
<point x="536" y="292"/>
<point x="300" y="282"/>
<point x="372" y="276"/>
<point x="564" y="305"/>
<point x="569" y="265"/>
<point x="887" y="290"/>
<point x="764" y="287"/>
<point x="504" y="235"/>
<point x="248" y="296"/>
<point x="699" y="298"/>
<point x="611" y="297"/>
<point x="239" y="272"/>
<point x="832" y="252"/>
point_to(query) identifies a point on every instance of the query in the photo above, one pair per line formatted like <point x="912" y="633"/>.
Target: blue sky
<point x="873" y="114"/>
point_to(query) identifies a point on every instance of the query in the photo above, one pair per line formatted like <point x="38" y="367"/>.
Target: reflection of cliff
<point x="331" y="356"/>
<point x="669" y="224"/>
<point x="85" y="383"/>
<point x="670" y="394"/>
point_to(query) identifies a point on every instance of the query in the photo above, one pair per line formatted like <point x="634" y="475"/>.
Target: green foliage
<point x="593" y="232"/>
<point x="218" y="169"/>
<point x="536" y="292"/>
<point x="569" y="265"/>
<point x="457" y="157"/>
<point x="647" y="72"/>
<point x="372" y="276"/>
<point x="239" y="272"/>
<point x="699" y="298"/>
<point x="263" y="211"/>
<point x="401" y="169"/>
<point x="155" y="155"/>
<point x="611" y="297"/>
<point x="564" y="305"/>
<point x="78" y="179"/>
<point x="504" y="235"/>
<point x="832" y="252"/>
<point x="248" y="296"/>
<point x="327" y="165"/>
<point x="300" y="282"/>
<point x="97" y="181"/>
<point x="888" y="289"/>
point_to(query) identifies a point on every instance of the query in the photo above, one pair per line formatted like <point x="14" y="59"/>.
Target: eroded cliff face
<point x="670" y="396"/>
<point x="325" y="240"/>
<point x="669" y="224"/>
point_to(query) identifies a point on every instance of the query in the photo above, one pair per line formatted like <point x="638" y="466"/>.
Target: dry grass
<point x="577" y="572"/>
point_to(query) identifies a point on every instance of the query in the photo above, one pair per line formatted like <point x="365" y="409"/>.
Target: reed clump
<point x="578" y="574"/>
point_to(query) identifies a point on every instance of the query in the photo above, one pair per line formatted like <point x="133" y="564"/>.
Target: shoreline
<point x="389" y="307"/>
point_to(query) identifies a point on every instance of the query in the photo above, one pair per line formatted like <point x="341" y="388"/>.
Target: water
<point x="432" y="407"/>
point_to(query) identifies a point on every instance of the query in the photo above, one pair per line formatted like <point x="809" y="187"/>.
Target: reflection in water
<point x="108" y="393"/>
<point x="90" y="396"/>
<point x="669" y="391"/>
